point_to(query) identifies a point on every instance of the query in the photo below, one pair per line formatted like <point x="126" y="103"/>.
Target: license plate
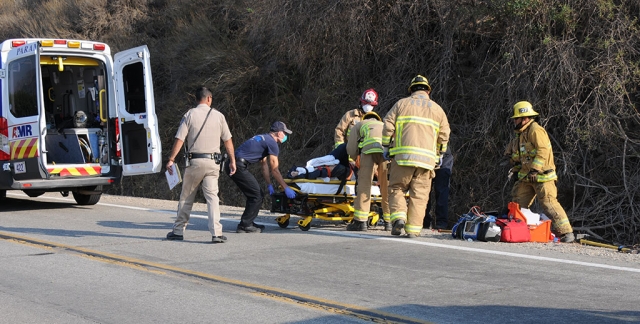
<point x="19" y="167"/>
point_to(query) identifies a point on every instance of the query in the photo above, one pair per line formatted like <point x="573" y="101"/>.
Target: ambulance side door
<point x="23" y="96"/>
<point x="138" y="124"/>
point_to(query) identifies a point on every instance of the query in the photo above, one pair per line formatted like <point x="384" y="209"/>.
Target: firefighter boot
<point x="567" y="238"/>
<point x="357" y="226"/>
<point x="397" y="227"/>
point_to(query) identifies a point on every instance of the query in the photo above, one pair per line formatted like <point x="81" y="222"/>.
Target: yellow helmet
<point x="419" y="83"/>
<point x="370" y="115"/>
<point x="523" y="109"/>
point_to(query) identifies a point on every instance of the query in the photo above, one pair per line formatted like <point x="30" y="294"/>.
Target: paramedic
<point x="368" y="100"/>
<point x="261" y="148"/>
<point x="531" y="155"/>
<point x="365" y="140"/>
<point x="440" y="189"/>
<point x="420" y="130"/>
<point x="201" y="130"/>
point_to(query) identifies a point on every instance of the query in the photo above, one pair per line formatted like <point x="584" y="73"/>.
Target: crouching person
<point x="261" y="148"/>
<point x="531" y="155"/>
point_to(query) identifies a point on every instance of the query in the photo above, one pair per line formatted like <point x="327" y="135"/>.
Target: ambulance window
<point x="23" y="97"/>
<point x="133" y="77"/>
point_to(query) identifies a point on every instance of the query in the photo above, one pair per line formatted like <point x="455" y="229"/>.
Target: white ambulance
<point x="74" y="120"/>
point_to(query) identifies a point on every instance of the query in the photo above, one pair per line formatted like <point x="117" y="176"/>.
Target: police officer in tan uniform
<point x="531" y="155"/>
<point x="365" y="140"/>
<point x="201" y="128"/>
<point x="420" y="132"/>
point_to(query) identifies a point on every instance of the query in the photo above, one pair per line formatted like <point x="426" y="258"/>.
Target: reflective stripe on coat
<point x="531" y="150"/>
<point x="417" y="131"/>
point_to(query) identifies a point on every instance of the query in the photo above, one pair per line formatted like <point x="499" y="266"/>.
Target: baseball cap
<point x="280" y="127"/>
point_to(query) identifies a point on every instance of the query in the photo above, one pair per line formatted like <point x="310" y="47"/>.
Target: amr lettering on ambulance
<point x="74" y="119"/>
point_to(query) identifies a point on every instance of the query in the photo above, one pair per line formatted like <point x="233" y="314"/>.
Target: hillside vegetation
<point x="307" y="62"/>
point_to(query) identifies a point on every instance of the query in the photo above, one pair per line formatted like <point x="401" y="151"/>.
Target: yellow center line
<point x="265" y="291"/>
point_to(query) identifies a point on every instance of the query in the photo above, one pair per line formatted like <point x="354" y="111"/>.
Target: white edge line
<point x="405" y="241"/>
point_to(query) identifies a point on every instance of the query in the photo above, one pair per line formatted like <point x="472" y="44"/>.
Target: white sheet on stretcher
<point x="314" y="188"/>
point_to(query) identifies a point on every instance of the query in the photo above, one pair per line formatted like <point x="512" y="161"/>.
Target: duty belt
<point x="217" y="157"/>
<point x="241" y="160"/>
<point x="203" y="155"/>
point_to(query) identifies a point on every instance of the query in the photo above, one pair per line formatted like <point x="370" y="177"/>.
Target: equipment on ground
<point x="609" y="246"/>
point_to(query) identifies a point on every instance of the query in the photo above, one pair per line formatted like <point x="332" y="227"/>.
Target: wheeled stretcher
<point x="318" y="199"/>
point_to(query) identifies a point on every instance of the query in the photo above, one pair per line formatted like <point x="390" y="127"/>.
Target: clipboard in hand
<point x="175" y="178"/>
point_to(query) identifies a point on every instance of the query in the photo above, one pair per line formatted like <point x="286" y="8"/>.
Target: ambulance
<point x="73" y="119"/>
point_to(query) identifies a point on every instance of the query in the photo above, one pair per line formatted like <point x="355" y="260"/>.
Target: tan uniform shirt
<point x="209" y="139"/>
<point x="347" y="121"/>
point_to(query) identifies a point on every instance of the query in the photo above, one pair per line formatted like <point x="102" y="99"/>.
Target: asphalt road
<point x="109" y="263"/>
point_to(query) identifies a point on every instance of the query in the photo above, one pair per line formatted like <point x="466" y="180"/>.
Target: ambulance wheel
<point x="305" y="228"/>
<point x="284" y="224"/>
<point x="34" y="193"/>
<point x="84" y="200"/>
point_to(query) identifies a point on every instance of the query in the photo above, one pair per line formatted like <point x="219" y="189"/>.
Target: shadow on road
<point x="17" y="204"/>
<point x="482" y="314"/>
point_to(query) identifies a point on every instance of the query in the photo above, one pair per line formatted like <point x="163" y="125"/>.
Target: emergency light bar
<point x="69" y="44"/>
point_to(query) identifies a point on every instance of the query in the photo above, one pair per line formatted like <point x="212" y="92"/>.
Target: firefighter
<point x="365" y="140"/>
<point x="368" y="101"/>
<point x="420" y="132"/>
<point x="531" y="155"/>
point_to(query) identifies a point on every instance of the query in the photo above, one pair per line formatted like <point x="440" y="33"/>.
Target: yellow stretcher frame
<point x="327" y="207"/>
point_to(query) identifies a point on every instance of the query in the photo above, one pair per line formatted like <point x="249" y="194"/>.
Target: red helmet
<point x="370" y="97"/>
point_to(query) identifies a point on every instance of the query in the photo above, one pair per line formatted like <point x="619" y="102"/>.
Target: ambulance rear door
<point x="26" y="123"/>
<point x="137" y="121"/>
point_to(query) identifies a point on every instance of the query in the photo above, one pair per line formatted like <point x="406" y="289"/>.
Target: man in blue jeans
<point x="440" y="187"/>
<point x="261" y="148"/>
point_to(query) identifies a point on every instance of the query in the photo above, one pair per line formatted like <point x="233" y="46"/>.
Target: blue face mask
<point x="284" y="139"/>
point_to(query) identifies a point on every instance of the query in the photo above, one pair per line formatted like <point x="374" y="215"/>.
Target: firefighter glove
<point x="533" y="176"/>
<point x="289" y="192"/>
<point x="271" y="191"/>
